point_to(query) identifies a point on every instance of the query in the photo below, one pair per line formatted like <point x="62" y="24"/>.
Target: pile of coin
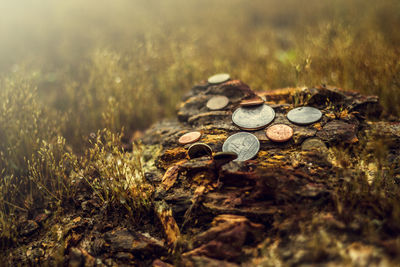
<point x="252" y="114"/>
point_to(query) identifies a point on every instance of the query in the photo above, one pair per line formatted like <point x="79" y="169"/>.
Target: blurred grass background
<point x="70" y="68"/>
<point x="130" y="61"/>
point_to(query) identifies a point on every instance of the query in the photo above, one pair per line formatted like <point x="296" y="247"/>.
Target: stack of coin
<point x="253" y="114"/>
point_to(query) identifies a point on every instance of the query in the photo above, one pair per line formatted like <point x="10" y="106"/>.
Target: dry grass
<point x="115" y="176"/>
<point x="365" y="193"/>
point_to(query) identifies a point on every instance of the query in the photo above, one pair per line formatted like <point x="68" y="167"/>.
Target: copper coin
<point x="256" y="101"/>
<point x="217" y="102"/>
<point x="279" y="132"/>
<point x="219" y="78"/>
<point x="189" y="138"/>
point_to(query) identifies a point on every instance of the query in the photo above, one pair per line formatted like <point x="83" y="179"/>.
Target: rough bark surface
<point x="282" y="208"/>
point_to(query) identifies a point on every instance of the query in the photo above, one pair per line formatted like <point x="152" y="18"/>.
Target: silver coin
<point x="219" y="78"/>
<point x="217" y="102"/>
<point x="199" y="150"/>
<point x="304" y="115"/>
<point x="253" y="118"/>
<point x="245" y="145"/>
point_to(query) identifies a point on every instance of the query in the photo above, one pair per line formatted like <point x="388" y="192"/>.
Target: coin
<point x="198" y="150"/>
<point x="304" y="115"/>
<point x="256" y="101"/>
<point x="188" y="138"/>
<point x="253" y="118"/>
<point x="222" y="158"/>
<point x="245" y="145"/>
<point x="225" y="156"/>
<point x="217" y="102"/>
<point x="279" y="132"/>
<point x="219" y="78"/>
